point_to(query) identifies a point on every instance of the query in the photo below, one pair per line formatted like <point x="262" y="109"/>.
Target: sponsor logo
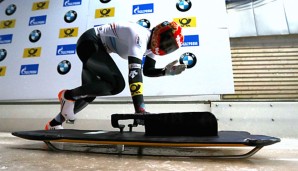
<point x="70" y="16"/>
<point x="143" y="9"/>
<point x="136" y="88"/>
<point x="144" y="22"/>
<point x="105" y="12"/>
<point x="190" y="40"/>
<point x="183" y="5"/>
<point x="7" y="24"/>
<point x="66" y="49"/>
<point x="38" y="20"/>
<point x="68" y="32"/>
<point x="2" y="71"/>
<point x="135" y="66"/>
<point x="11" y="9"/>
<point x="34" y="36"/>
<point x="5" y="39"/>
<point x="188" y="59"/>
<point x="133" y="74"/>
<point x="31" y="69"/>
<point x="3" y="54"/>
<point x="186" y="22"/>
<point x="138" y="41"/>
<point x="40" y="5"/>
<point x="32" y="52"/>
<point x="104" y="1"/>
<point x="64" y="67"/>
<point x="68" y="3"/>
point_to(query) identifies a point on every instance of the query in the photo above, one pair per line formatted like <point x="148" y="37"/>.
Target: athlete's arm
<point x="135" y="80"/>
<point x="149" y="69"/>
<point x="171" y="69"/>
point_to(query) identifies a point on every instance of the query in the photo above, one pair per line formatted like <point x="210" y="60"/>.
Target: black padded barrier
<point x="181" y="124"/>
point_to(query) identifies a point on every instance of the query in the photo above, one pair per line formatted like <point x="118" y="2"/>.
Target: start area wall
<point x="38" y="45"/>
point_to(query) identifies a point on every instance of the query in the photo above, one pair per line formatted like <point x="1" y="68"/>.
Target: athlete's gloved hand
<point x="172" y="69"/>
<point x="141" y="121"/>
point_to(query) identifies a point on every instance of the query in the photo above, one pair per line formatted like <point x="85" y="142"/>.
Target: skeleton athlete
<point x="101" y="76"/>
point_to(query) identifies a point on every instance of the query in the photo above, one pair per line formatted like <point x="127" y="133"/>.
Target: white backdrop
<point x="212" y="73"/>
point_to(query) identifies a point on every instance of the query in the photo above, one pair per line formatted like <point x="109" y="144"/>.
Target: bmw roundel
<point x="183" y="5"/>
<point x="11" y="9"/>
<point x="70" y="16"/>
<point x="188" y="59"/>
<point x="144" y="22"/>
<point x="3" y="54"/>
<point x="34" y="36"/>
<point x="104" y="1"/>
<point x="64" y="67"/>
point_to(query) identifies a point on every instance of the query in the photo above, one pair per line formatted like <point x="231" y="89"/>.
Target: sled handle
<point x="116" y="117"/>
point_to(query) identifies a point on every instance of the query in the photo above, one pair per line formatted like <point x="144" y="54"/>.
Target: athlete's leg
<point x="102" y="74"/>
<point x="106" y="80"/>
<point x="80" y="104"/>
<point x="100" y="77"/>
<point x="86" y="46"/>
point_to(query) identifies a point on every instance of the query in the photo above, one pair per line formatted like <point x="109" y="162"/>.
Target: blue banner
<point x="143" y="9"/>
<point x="5" y="39"/>
<point x="191" y="40"/>
<point x="66" y="49"/>
<point x="31" y="69"/>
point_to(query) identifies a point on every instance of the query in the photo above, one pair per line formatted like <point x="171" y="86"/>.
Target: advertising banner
<point x="38" y="45"/>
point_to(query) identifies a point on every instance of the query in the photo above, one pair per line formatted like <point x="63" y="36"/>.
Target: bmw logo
<point x="64" y="67"/>
<point x="104" y="1"/>
<point x="188" y="59"/>
<point x="183" y="5"/>
<point x="11" y="9"/>
<point x="144" y="22"/>
<point x="34" y="36"/>
<point x="70" y="16"/>
<point x="3" y="54"/>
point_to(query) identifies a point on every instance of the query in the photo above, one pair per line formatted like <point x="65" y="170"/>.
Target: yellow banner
<point x="7" y="24"/>
<point x="105" y="12"/>
<point x="2" y="71"/>
<point x="40" y="5"/>
<point x="32" y="52"/>
<point x="68" y="32"/>
<point x="186" y="21"/>
<point x="136" y="88"/>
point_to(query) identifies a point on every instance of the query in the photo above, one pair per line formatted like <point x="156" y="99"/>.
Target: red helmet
<point x="166" y="38"/>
